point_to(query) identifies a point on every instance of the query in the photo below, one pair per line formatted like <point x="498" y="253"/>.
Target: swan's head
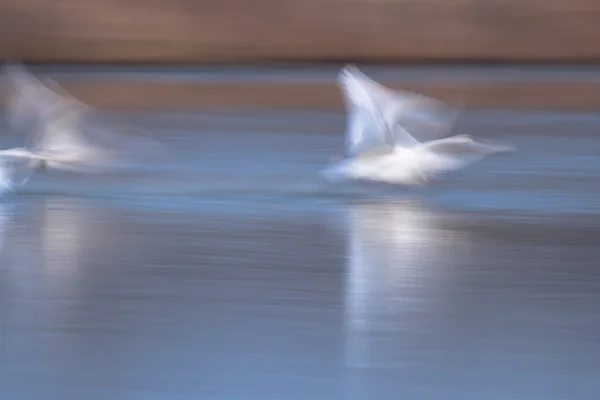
<point x="40" y="164"/>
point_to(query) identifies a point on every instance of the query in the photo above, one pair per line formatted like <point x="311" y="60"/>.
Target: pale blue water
<point x="230" y="272"/>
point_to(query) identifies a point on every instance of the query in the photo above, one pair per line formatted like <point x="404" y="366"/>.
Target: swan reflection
<point x="400" y="254"/>
<point x="17" y="255"/>
<point x="69" y="231"/>
<point x="46" y="250"/>
<point x="4" y="218"/>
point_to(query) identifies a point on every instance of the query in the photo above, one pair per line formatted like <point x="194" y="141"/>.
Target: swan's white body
<point x="63" y="138"/>
<point x="379" y="146"/>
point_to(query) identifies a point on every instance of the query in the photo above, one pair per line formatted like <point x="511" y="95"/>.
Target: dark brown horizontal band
<point x="191" y="31"/>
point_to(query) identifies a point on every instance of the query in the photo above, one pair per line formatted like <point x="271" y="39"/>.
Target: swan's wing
<point x="366" y="127"/>
<point x="58" y="117"/>
<point x="422" y="118"/>
<point x="18" y="79"/>
<point x="123" y="145"/>
<point x="64" y="131"/>
<point x="59" y="131"/>
<point x="427" y="119"/>
<point x="21" y="101"/>
<point x="74" y="143"/>
<point x="457" y="152"/>
<point x="32" y="103"/>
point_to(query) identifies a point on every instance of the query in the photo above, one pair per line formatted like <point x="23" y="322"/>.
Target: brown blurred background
<point x="306" y="31"/>
<point x="299" y="30"/>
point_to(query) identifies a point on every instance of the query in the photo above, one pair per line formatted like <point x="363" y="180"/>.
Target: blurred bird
<point x="62" y="137"/>
<point x="383" y="132"/>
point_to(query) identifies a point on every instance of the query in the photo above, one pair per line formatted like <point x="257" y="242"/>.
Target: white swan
<point x="63" y="137"/>
<point x="380" y="140"/>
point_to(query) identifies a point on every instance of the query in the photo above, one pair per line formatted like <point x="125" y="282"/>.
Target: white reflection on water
<point x="400" y="254"/>
<point x="4" y="217"/>
<point x="63" y="229"/>
<point x="46" y="244"/>
<point x="68" y="231"/>
<point x="42" y="252"/>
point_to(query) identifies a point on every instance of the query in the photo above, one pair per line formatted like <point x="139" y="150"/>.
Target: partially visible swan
<point x="383" y="131"/>
<point x="62" y="137"/>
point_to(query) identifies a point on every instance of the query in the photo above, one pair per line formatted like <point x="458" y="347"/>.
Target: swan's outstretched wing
<point x="64" y="131"/>
<point x="456" y="152"/>
<point x="31" y="101"/>
<point x="415" y="117"/>
<point x="366" y="126"/>
<point x="69" y="142"/>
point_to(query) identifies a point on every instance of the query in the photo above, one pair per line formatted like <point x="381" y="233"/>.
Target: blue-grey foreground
<point x="218" y="277"/>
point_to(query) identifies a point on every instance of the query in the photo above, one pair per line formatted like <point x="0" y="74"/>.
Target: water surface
<point x="229" y="272"/>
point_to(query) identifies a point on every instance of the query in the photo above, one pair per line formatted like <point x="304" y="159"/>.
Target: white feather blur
<point x="61" y="134"/>
<point x="387" y="133"/>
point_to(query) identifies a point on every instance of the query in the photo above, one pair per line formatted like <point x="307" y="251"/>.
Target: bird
<point x="61" y="135"/>
<point x="393" y="137"/>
